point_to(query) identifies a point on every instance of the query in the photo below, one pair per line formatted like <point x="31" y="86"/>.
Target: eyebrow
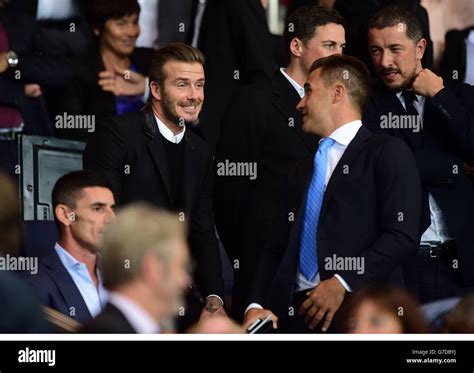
<point x="99" y="204"/>
<point x="187" y="80"/>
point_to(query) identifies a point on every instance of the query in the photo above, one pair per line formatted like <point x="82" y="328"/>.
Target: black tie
<point x="409" y="97"/>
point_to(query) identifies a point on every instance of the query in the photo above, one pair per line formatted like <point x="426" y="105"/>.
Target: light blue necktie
<point x="314" y="201"/>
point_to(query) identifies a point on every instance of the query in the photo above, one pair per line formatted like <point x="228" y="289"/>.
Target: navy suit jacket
<point x="440" y="149"/>
<point x="374" y="181"/>
<point x="56" y="288"/>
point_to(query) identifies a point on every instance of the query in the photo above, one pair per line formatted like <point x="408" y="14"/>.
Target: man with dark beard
<point x="437" y="123"/>
<point x="151" y="156"/>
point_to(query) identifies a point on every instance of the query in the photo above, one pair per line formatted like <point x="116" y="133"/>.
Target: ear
<point x="420" y="49"/>
<point x="296" y="47"/>
<point x="155" y="91"/>
<point x="338" y="93"/>
<point x="64" y="215"/>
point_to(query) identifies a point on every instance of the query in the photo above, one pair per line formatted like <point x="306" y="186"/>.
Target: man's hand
<point x="322" y="303"/>
<point x="254" y="314"/>
<point x="33" y="90"/>
<point x="427" y="83"/>
<point x="213" y="308"/>
<point x="122" y="82"/>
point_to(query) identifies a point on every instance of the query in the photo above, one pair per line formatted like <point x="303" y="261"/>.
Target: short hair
<point x="302" y="23"/>
<point x="100" y="11"/>
<point x="172" y="52"/>
<point x="10" y="217"/>
<point x="138" y="229"/>
<point x="388" y="298"/>
<point x="349" y="71"/>
<point x="461" y="318"/>
<point x="68" y="189"/>
<point x="394" y="15"/>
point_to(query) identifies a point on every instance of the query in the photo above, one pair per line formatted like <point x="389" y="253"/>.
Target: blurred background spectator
<point x="381" y="309"/>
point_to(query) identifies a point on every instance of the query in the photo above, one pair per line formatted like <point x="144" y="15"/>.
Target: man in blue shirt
<point x="69" y="279"/>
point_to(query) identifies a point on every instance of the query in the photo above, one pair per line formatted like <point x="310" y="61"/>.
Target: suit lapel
<point x="285" y="100"/>
<point x="66" y="286"/>
<point x="156" y="148"/>
<point x="353" y="149"/>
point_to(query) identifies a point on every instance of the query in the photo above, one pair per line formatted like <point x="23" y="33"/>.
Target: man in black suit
<point x="264" y="129"/>
<point x="147" y="292"/>
<point x="151" y="156"/>
<point x="437" y="123"/>
<point x="360" y="211"/>
<point x="458" y="55"/>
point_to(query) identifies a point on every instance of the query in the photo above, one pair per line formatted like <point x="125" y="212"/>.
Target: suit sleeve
<point x="203" y="240"/>
<point x="105" y="154"/>
<point x="456" y="108"/>
<point x="399" y="210"/>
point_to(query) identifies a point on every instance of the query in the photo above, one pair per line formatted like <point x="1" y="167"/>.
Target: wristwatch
<point x="12" y="59"/>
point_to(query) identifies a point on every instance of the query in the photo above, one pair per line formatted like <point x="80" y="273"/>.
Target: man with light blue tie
<point x="352" y="212"/>
<point x="69" y="279"/>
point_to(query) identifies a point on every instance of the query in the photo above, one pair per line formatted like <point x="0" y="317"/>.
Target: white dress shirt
<point x="140" y="320"/>
<point x="342" y="137"/>
<point x="168" y="134"/>
<point x="469" y="78"/>
<point x="438" y="230"/>
<point x="56" y="10"/>
<point x="94" y="298"/>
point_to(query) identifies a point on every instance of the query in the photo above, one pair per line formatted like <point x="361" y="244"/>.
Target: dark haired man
<point x="359" y="215"/>
<point x="263" y="129"/>
<point x="437" y="123"/>
<point x="151" y="156"/>
<point x="69" y="278"/>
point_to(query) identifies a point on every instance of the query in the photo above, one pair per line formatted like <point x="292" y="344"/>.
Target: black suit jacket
<point x="454" y="57"/>
<point x="238" y="46"/>
<point x="109" y="321"/>
<point x="56" y="289"/>
<point x="262" y="127"/>
<point x="375" y="180"/>
<point x="132" y="142"/>
<point x="84" y="96"/>
<point x="440" y="149"/>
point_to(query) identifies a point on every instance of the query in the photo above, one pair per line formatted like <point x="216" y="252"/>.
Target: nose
<point x="301" y="104"/>
<point x="387" y="59"/>
<point x="110" y="216"/>
<point x="193" y="93"/>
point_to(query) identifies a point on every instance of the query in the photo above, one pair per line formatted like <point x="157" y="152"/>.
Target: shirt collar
<point x="346" y="133"/>
<point x="140" y="320"/>
<point x="293" y="82"/>
<point x="167" y="133"/>
<point x="419" y="98"/>
<point x="470" y="38"/>
<point x="67" y="259"/>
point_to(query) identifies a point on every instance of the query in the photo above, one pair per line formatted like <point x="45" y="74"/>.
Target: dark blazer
<point x="454" y="57"/>
<point x="238" y="46"/>
<point x="374" y="181"/>
<point x="56" y="289"/>
<point x="110" y="320"/>
<point x="262" y="127"/>
<point x="444" y="144"/>
<point x="133" y="140"/>
<point x="84" y="96"/>
<point x="20" y="311"/>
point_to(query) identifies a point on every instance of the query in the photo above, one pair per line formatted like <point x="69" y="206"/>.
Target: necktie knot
<point x="325" y="144"/>
<point x="409" y="97"/>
